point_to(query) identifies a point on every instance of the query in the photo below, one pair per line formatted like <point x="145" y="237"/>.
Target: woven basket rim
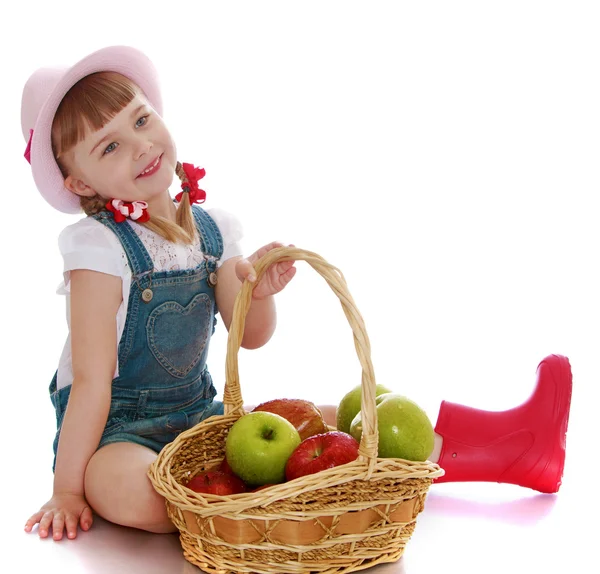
<point x="184" y="498"/>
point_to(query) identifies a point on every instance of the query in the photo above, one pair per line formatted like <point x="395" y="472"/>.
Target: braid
<point x="181" y="173"/>
<point x="184" y="216"/>
<point x="92" y="205"/>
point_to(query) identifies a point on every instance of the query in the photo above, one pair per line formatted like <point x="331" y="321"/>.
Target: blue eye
<point x="110" y="148"/>
<point x="142" y="121"/>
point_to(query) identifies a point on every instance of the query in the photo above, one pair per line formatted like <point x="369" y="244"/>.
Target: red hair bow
<point x="137" y="210"/>
<point x="193" y="175"/>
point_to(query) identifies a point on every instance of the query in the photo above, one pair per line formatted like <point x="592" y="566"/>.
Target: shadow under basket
<point x="342" y="519"/>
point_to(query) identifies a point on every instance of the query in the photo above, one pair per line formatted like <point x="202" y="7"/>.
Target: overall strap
<point x="139" y="259"/>
<point x="211" y="239"/>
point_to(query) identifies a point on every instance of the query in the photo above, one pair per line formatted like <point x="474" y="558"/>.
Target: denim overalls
<point x="163" y="386"/>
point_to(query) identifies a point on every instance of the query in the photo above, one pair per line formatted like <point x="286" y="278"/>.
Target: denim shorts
<point x="143" y="416"/>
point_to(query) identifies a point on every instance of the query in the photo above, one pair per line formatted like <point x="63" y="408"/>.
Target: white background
<point x="444" y="155"/>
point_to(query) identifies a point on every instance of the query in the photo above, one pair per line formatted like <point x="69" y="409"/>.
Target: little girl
<point x="144" y="278"/>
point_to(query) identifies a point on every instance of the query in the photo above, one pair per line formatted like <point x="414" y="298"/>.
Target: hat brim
<point x="124" y="60"/>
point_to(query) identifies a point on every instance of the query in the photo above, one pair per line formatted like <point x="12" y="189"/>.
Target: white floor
<point x="466" y="528"/>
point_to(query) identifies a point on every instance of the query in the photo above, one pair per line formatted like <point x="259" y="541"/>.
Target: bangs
<point x="88" y="106"/>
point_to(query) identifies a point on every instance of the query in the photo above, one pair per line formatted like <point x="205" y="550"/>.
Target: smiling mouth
<point x="152" y="168"/>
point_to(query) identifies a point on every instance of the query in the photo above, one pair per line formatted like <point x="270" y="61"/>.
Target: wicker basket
<point x="342" y="519"/>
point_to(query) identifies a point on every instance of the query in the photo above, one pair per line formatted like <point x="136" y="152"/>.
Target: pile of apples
<point x="284" y="439"/>
<point x="279" y="440"/>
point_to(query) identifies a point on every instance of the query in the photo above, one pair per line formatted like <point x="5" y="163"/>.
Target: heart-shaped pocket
<point x="177" y="336"/>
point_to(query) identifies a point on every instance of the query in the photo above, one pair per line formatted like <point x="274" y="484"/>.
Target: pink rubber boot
<point x="524" y="445"/>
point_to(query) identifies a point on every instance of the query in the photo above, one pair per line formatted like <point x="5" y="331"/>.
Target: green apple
<point x="405" y="430"/>
<point x="350" y="405"/>
<point x="258" y="447"/>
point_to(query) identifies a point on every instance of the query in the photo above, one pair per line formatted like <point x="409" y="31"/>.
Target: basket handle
<point x="232" y="397"/>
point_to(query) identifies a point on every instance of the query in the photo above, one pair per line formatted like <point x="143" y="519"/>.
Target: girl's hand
<point x="62" y="511"/>
<point x="274" y="279"/>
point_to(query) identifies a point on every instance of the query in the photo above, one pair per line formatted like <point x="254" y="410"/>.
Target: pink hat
<point x="42" y="95"/>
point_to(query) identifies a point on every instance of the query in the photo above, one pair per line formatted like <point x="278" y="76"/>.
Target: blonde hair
<point x="89" y="105"/>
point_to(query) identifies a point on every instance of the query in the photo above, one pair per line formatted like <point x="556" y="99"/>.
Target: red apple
<point x="224" y="467"/>
<point x="216" y="482"/>
<point x="321" y="451"/>
<point x="304" y="415"/>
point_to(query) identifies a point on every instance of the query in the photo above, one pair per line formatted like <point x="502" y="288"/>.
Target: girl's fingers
<point x="60" y="521"/>
<point x="86" y="518"/>
<point x="244" y="269"/>
<point x="287" y="276"/>
<point x="71" y="525"/>
<point x="272" y="245"/>
<point x="45" y="523"/>
<point x="283" y="266"/>
<point x="33" y="520"/>
<point x="58" y="525"/>
<point x="266" y="248"/>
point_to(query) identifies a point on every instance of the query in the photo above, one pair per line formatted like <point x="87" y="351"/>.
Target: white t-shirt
<point x="88" y="244"/>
